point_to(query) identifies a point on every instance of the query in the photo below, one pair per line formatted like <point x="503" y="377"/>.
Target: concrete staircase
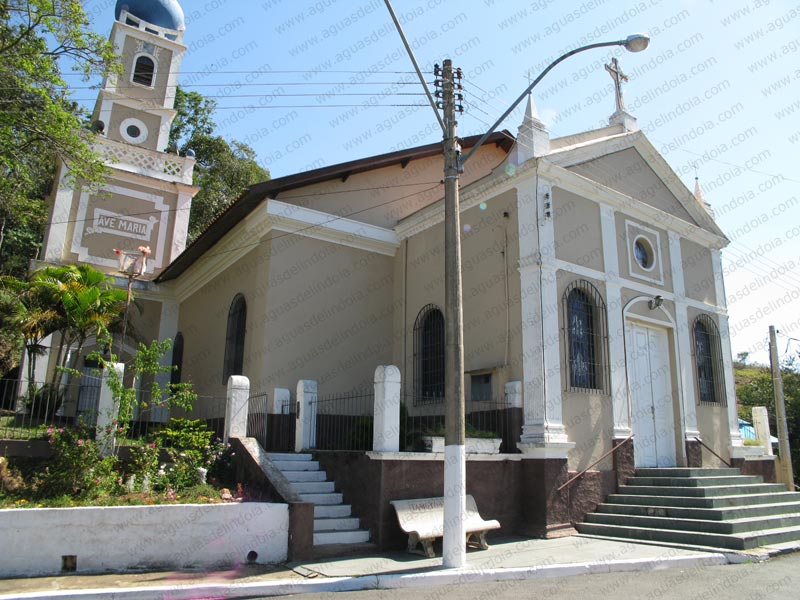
<point x="718" y="508"/>
<point x="333" y="522"/>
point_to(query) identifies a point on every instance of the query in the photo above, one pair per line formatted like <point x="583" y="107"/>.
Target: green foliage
<point x="144" y="464"/>
<point x="146" y="364"/>
<point x="39" y="122"/>
<point x="185" y="435"/>
<point x="77" y="468"/>
<point x="754" y="388"/>
<point x="223" y="169"/>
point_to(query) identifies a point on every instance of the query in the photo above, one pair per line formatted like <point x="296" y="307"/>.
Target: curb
<point x="373" y="582"/>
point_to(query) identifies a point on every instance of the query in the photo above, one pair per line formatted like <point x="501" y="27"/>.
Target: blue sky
<point x="309" y="84"/>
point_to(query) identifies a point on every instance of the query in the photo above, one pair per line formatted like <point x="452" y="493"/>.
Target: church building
<point x="592" y="283"/>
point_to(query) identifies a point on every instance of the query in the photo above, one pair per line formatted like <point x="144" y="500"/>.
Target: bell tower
<point x="146" y="199"/>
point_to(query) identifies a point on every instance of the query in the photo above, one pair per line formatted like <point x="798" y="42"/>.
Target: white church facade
<point x="592" y="280"/>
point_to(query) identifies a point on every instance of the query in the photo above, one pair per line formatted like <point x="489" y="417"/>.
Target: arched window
<point x="144" y="71"/>
<point x="429" y="355"/>
<point x="585" y="338"/>
<point x="234" y="339"/>
<point x="708" y="361"/>
<point x="177" y="359"/>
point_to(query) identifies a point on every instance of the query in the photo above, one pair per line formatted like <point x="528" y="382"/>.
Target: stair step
<point x="700" y="502"/>
<point x="297" y="465"/>
<point x="703" y="492"/>
<point x="332" y="511"/>
<point x="314" y="487"/>
<point x="709" y="514"/>
<point x="684" y="472"/>
<point x="303" y="476"/>
<point x="732" y="526"/>
<point x="288" y="456"/>
<point x="334" y="498"/>
<point x="336" y="524"/>
<point x="743" y="541"/>
<point x="340" y="537"/>
<point x="722" y="480"/>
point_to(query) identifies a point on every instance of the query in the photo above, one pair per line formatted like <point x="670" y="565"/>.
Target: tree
<point x="38" y="121"/>
<point x="78" y="302"/>
<point x="223" y="169"/>
<point x="754" y="388"/>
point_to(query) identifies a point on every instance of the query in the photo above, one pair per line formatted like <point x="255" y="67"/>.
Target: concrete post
<point x="386" y="424"/>
<point x="513" y="391"/>
<point x="305" y="436"/>
<point x="108" y="409"/>
<point x="761" y="425"/>
<point x="236" y="407"/>
<point x="278" y="403"/>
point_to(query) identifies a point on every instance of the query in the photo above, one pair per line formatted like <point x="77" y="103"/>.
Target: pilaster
<point x="686" y="370"/>
<point x="616" y="325"/>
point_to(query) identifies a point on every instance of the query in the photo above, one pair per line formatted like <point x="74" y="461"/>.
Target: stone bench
<point x="423" y="520"/>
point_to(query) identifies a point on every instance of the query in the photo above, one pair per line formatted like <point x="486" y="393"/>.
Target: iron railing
<point x="494" y="418"/>
<point x="343" y="422"/>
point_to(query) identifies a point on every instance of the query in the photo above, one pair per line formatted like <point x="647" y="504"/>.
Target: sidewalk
<point x="508" y="558"/>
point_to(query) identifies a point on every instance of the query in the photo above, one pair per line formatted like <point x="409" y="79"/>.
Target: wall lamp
<point x="655" y="302"/>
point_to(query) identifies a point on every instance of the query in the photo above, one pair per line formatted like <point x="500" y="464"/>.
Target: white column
<point x="236" y="407"/>
<point x="686" y="370"/>
<point x="616" y="326"/>
<point x="513" y="392"/>
<point x="305" y="436"/>
<point x="543" y="434"/>
<point x="386" y="423"/>
<point x="56" y="238"/>
<point x="280" y="400"/>
<point x="761" y="426"/>
<point x="108" y="409"/>
<point x="181" y="229"/>
<point x="737" y="446"/>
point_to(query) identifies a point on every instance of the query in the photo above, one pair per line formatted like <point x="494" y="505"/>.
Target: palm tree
<point x="87" y="305"/>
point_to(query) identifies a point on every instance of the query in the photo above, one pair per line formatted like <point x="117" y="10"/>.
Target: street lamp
<point x="633" y="43"/>
<point x="132" y="264"/>
<point x="453" y="547"/>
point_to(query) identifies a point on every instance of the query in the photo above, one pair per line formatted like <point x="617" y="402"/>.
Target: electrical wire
<point x="314" y="195"/>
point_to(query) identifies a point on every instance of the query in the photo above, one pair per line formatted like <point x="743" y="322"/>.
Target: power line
<point x="316" y="194"/>
<point x="309" y="227"/>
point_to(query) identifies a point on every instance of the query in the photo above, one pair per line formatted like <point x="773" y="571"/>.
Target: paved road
<point x="778" y="578"/>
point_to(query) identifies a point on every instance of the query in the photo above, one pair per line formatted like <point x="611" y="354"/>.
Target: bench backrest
<point x="427" y="513"/>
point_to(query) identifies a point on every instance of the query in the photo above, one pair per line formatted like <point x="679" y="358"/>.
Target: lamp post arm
<point x="528" y="90"/>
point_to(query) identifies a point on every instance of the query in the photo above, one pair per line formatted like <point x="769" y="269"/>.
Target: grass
<point x="199" y="494"/>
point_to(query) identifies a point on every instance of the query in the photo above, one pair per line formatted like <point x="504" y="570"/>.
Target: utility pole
<point x="453" y="545"/>
<point x="780" y="411"/>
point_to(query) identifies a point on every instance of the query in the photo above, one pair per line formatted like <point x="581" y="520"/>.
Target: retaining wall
<point x="52" y="541"/>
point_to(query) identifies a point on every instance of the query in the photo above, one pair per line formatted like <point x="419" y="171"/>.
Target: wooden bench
<point x="423" y="520"/>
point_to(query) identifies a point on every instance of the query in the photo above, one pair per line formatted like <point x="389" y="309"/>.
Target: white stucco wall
<point x="120" y="538"/>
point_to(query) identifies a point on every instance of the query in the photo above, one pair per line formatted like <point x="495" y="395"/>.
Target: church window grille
<point x="234" y="339"/>
<point x="144" y="71"/>
<point x="585" y="338"/>
<point x="708" y="361"/>
<point x="429" y="355"/>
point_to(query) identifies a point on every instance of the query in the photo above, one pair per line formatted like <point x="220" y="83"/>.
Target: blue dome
<point x="162" y="13"/>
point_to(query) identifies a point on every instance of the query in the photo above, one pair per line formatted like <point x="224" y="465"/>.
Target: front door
<point x="652" y="407"/>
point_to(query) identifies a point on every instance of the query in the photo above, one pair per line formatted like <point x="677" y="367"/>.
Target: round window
<point x="133" y="131"/>
<point x="643" y="252"/>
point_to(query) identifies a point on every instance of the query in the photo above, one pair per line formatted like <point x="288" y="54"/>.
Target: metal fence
<point x="27" y="411"/>
<point x="484" y="418"/>
<point x="343" y="422"/>
<point x="275" y="432"/>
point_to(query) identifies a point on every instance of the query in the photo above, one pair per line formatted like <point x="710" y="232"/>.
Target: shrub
<point x="76" y="467"/>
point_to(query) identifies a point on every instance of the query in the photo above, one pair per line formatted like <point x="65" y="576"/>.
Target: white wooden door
<point x="650" y="384"/>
